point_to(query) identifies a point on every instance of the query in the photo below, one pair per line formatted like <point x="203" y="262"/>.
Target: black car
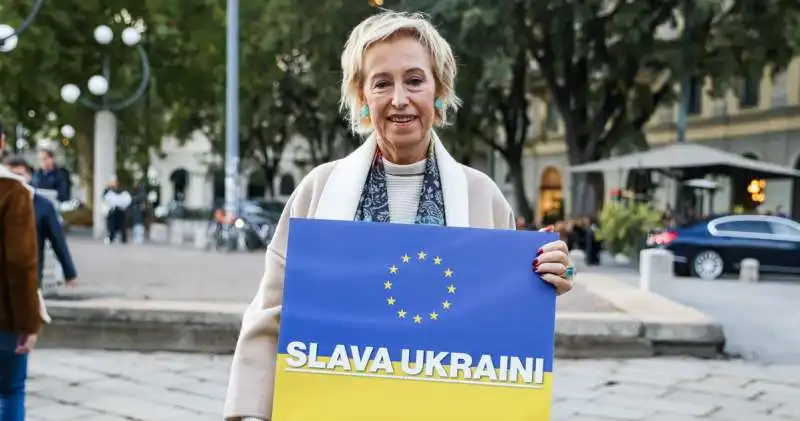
<point x="718" y="245"/>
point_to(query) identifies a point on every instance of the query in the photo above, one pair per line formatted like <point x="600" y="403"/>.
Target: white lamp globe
<point x="10" y="43"/>
<point x="67" y="131"/>
<point x="98" y="85"/>
<point x="131" y="37"/>
<point x="103" y="34"/>
<point x="70" y="93"/>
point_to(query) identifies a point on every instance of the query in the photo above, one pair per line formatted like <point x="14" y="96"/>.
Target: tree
<point x="32" y="75"/>
<point x="608" y="65"/>
<point x="315" y="86"/>
<point x="493" y="80"/>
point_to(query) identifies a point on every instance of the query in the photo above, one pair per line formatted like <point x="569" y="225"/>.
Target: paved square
<point x="69" y="385"/>
<point x="203" y="275"/>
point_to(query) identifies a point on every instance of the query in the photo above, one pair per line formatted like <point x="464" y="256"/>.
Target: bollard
<point x="175" y="231"/>
<point x="138" y="233"/>
<point x="748" y="271"/>
<point x="578" y="259"/>
<point x="200" y="235"/>
<point x="655" y="266"/>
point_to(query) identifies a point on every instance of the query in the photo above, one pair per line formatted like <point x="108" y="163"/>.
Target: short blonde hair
<point x="384" y="26"/>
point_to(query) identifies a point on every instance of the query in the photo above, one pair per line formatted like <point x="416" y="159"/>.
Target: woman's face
<point x="399" y="89"/>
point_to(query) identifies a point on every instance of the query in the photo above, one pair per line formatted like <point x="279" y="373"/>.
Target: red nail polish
<point x="536" y="263"/>
<point x="539" y="252"/>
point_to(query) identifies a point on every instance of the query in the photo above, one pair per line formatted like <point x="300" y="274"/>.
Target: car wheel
<point x="708" y="265"/>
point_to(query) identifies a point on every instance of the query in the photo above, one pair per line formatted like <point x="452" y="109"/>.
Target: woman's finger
<point x="557" y="269"/>
<point x="556" y="256"/>
<point x="561" y="285"/>
<point x="553" y="246"/>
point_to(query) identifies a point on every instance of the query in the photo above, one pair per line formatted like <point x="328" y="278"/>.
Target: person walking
<point x="21" y="312"/>
<point x="117" y="202"/>
<point x="52" y="176"/>
<point x="48" y="228"/>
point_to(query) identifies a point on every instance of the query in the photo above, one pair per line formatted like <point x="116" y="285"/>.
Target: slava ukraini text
<point x="428" y="365"/>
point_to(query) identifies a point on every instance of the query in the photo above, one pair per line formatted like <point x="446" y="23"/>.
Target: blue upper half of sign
<point x="417" y="287"/>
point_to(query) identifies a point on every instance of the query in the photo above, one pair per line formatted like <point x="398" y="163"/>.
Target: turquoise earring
<point x="438" y="103"/>
<point x="364" y="111"/>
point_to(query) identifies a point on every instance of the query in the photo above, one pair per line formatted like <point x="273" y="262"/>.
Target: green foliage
<point x="601" y="63"/>
<point x="624" y="226"/>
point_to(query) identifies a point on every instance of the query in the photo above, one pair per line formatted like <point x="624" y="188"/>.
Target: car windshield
<point x="263" y="209"/>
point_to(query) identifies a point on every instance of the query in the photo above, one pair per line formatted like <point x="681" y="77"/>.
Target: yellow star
<point x="448" y="273"/>
<point x="390" y="301"/>
<point x="406" y="258"/>
<point x="446" y="305"/>
<point x="434" y="316"/>
<point x="393" y="269"/>
<point x="421" y="255"/>
<point x="401" y="314"/>
<point x="387" y="285"/>
<point x="417" y="319"/>
<point x="451" y="289"/>
<point x="437" y="260"/>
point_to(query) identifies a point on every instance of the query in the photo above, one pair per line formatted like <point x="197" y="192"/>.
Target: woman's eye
<point x="381" y="84"/>
<point x="415" y="81"/>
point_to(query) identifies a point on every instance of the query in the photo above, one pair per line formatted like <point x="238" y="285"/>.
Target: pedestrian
<point x="22" y="311"/>
<point x="116" y="202"/>
<point x="50" y="176"/>
<point x="139" y="211"/>
<point x="48" y="227"/>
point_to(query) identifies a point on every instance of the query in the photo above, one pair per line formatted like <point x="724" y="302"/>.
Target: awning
<point x="694" y="159"/>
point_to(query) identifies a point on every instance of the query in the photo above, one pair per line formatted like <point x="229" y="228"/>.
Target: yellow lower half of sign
<point x="320" y="395"/>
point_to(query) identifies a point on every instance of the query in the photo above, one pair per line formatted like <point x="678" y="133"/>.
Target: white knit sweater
<point x="404" y="183"/>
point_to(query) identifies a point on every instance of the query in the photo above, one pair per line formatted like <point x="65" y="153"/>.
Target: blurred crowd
<point x="578" y="233"/>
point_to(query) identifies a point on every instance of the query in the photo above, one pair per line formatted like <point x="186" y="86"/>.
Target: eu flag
<point x="385" y="322"/>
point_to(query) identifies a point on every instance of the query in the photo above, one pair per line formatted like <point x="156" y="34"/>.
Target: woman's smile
<point x="402" y="121"/>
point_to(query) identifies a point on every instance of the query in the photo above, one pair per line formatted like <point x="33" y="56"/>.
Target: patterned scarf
<point x="374" y="203"/>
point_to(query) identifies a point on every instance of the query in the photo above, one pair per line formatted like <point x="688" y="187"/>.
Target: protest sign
<point x="385" y="322"/>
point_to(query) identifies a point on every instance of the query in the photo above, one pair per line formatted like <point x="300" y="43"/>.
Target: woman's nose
<point x="400" y="98"/>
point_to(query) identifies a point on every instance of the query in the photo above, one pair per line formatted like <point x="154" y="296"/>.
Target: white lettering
<point x="517" y="369"/>
<point x="312" y="357"/>
<point x="296" y="351"/>
<point x="435" y="363"/>
<point x="511" y="371"/>
<point x="382" y="362"/>
<point x="360" y="360"/>
<point x="460" y="362"/>
<point x="503" y="369"/>
<point x="339" y="358"/>
<point x="419" y="361"/>
<point x="485" y="369"/>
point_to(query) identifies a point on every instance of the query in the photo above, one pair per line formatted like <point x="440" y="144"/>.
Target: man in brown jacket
<point x="20" y="317"/>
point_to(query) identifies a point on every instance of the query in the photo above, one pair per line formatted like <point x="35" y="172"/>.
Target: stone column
<point x="105" y="165"/>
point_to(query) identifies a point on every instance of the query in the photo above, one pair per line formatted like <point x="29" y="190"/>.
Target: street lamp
<point x="67" y="131"/>
<point x="105" y="122"/>
<point x="10" y="36"/>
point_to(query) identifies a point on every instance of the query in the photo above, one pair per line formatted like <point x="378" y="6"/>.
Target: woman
<point x="398" y="83"/>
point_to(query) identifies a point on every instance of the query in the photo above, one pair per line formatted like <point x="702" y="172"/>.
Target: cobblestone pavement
<point x="162" y="272"/>
<point x="760" y="320"/>
<point x="67" y="385"/>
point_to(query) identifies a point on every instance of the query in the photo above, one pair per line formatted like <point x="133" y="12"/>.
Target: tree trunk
<point x="588" y="191"/>
<point x="523" y="206"/>
<point x="587" y="188"/>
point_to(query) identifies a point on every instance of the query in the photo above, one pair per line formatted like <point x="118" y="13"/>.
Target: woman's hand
<point x="553" y="265"/>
